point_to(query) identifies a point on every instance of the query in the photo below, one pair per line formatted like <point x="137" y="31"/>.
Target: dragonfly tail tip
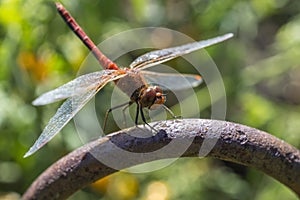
<point x="58" y="5"/>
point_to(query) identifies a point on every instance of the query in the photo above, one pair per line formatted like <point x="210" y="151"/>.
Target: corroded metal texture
<point x="177" y="138"/>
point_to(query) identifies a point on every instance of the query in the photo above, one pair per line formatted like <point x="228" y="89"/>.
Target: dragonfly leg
<point x="127" y="104"/>
<point x="143" y="116"/>
<point x="137" y="114"/>
<point x="170" y="112"/>
<point x="144" y="119"/>
<point x="123" y="111"/>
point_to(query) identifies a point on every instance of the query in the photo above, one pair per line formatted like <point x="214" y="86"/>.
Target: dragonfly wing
<point x="63" y="115"/>
<point x="80" y="85"/>
<point x="66" y="112"/>
<point x="172" y="81"/>
<point x="160" y="56"/>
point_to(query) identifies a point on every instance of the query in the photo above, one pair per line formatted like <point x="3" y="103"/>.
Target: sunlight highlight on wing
<point x="156" y="57"/>
<point x="75" y="87"/>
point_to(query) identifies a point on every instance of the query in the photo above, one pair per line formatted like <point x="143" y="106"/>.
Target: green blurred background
<point x="260" y="68"/>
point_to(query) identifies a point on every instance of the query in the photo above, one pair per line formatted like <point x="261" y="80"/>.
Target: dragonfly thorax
<point x="132" y="82"/>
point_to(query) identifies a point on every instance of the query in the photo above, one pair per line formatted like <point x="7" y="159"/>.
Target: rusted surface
<point x="176" y="138"/>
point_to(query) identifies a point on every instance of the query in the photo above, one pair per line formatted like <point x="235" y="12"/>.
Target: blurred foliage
<point x="260" y="69"/>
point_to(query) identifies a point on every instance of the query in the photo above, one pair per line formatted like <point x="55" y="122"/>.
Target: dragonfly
<point x="132" y="80"/>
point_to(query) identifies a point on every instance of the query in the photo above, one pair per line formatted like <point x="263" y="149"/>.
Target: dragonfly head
<point x="152" y="97"/>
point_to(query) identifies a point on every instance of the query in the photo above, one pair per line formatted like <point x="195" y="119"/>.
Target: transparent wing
<point x="63" y="115"/>
<point x="80" y="85"/>
<point x="160" y="56"/>
<point x="66" y="112"/>
<point x="172" y="81"/>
